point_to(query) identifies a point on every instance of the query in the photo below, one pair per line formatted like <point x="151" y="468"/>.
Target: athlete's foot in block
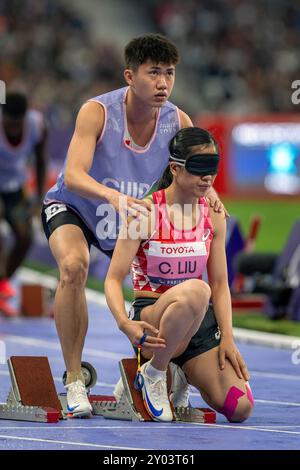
<point x="78" y="404"/>
<point x="155" y="397"/>
<point x="118" y="390"/>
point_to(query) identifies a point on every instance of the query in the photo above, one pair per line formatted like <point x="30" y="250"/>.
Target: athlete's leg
<point x="177" y="315"/>
<point x="223" y="390"/>
<point x="70" y="249"/>
<point x="17" y="214"/>
<point x="23" y="240"/>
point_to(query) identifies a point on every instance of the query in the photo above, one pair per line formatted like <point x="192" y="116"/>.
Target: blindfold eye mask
<point x="200" y="164"/>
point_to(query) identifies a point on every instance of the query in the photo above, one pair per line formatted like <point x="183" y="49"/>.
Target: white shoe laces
<point x="159" y="390"/>
<point x="77" y="391"/>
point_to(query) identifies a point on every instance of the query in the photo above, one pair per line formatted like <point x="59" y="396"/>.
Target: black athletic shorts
<point x="56" y="214"/>
<point x="16" y="207"/>
<point x="207" y="337"/>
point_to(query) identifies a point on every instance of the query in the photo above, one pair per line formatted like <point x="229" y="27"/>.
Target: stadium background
<point x="238" y="62"/>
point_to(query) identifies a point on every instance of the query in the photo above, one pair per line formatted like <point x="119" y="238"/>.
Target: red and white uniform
<point x="171" y="256"/>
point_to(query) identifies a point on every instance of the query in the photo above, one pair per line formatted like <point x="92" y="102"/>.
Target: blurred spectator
<point x="22" y="133"/>
<point x="242" y="54"/>
<point x="47" y="52"/>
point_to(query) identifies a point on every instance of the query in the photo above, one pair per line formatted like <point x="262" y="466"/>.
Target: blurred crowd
<point x="243" y="55"/>
<point x="46" y="51"/>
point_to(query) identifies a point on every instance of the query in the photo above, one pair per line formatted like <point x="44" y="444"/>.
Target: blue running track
<point x="275" y="382"/>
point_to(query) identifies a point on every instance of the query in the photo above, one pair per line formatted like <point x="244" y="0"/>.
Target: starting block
<point x="33" y="396"/>
<point x="34" y="300"/>
<point x="130" y="407"/>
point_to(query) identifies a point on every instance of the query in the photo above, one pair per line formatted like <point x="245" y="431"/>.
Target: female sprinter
<point x="186" y="320"/>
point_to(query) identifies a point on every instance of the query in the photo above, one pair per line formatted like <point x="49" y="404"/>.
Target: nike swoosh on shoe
<point x="149" y="405"/>
<point x="71" y="409"/>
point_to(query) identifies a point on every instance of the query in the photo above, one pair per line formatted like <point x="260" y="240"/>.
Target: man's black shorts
<point x="56" y="214"/>
<point x="16" y="208"/>
<point x="206" y="338"/>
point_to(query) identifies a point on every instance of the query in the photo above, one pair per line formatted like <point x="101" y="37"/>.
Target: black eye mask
<point x="199" y="164"/>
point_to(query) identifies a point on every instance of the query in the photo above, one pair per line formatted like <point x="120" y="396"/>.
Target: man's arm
<point x="89" y="125"/>
<point x="185" y="120"/>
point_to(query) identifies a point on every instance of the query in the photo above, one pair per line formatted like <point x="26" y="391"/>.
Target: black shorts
<point x="16" y="208"/>
<point x="56" y="214"/>
<point x="207" y="337"/>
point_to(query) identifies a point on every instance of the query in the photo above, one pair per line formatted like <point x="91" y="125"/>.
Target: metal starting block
<point x="33" y="396"/>
<point x="130" y="407"/>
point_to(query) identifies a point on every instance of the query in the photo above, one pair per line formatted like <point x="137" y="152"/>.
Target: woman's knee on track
<point x="237" y="405"/>
<point x="242" y="411"/>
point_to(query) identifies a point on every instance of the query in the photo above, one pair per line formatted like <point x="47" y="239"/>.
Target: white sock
<point x="154" y="373"/>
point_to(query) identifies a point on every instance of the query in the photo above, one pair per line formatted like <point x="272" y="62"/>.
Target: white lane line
<point x="273" y="375"/>
<point x="247" y="428"/>
<point x="40" y="343"/>
<point x="155" y="427"/>
<point x="273" y="402"/>
<point x="158" y="427"/>
<point x="69" y="443"/>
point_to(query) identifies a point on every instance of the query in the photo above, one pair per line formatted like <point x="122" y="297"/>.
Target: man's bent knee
<point x="74" y="272"/>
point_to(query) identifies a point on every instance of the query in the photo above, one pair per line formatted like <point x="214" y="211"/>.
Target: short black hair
<point x="16" y="105"/>
<point x="153" y="47"/>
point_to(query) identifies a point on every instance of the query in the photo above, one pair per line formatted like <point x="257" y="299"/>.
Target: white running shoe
<point x="155" y="397"/>
<point x="119" y="389"/>
<point x="78" y="404"/>
<point x="179" y="395"/>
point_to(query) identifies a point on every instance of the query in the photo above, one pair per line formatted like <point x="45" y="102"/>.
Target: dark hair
<point x="154" y="47"/>
<point x="180" y="146"/>
<point x="15" y="106"/>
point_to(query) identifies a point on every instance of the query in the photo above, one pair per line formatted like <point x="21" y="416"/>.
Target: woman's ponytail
<point x="166" y="179"/>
